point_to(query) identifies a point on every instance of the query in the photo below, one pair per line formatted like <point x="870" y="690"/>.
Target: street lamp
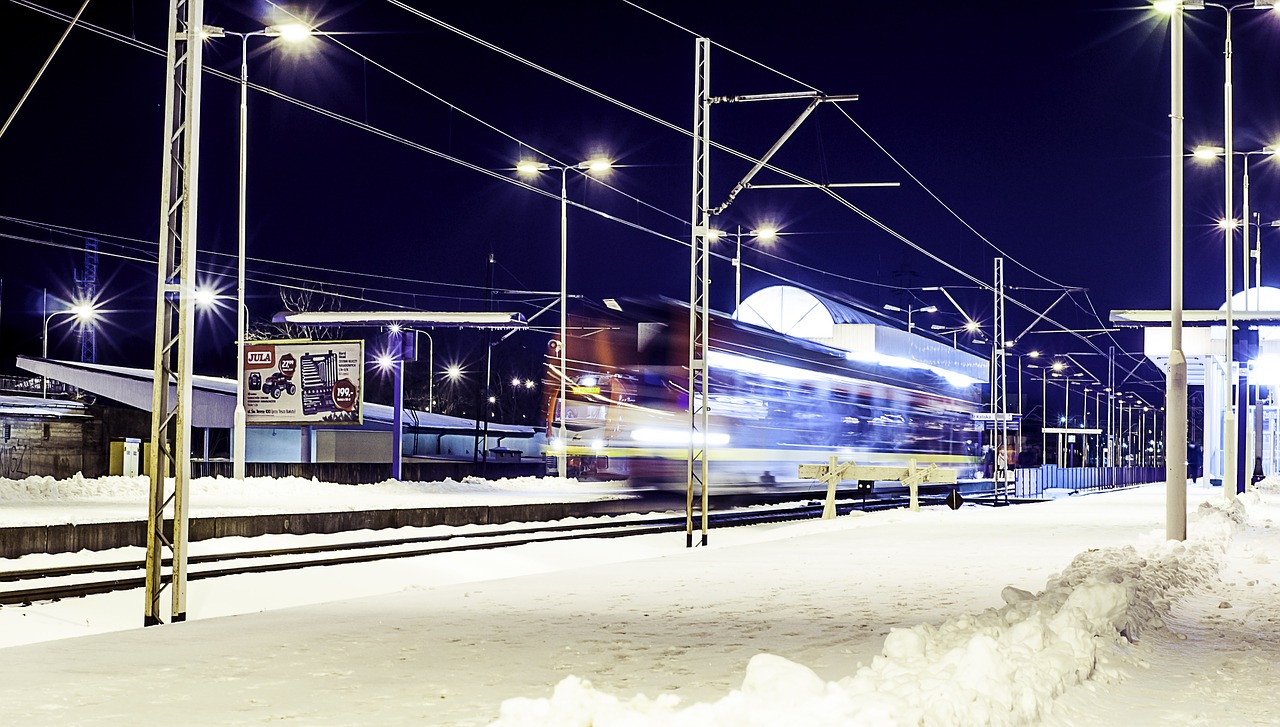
<point x="292" y="33"/>
<point x="1208" y="153"/>
<point x="764" y="233"/>
<point x="431" y="376"/>
<point x="84" y="314"/>
<point x="1230" y="476"/>
<point x="531" y="167"/>
<point x="971" y="326"/>
<point x="909" y="310"/>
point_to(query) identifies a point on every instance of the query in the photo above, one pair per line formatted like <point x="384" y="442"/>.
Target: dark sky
<point x="1043" y="126"/>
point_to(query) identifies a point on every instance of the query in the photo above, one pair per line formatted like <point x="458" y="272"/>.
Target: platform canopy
<point x="426" y="319"/>
<point x="795" y="312"/>
<point x="1204" y="331"/>
<point x="214" y="398"/>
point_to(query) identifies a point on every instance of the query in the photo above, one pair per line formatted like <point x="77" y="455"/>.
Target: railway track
<point x="33" y="585"/>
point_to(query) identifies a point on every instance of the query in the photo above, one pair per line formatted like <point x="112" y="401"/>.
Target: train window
<point x="7" y="431"/>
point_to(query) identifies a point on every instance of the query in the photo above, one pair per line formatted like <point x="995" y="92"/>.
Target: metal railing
<point x="31" y="385"/>
<point x="1033" y="481"/>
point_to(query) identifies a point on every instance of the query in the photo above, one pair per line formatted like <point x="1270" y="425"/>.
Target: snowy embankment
<point x="45" y="500"/>
<point x="1000" y="667"/>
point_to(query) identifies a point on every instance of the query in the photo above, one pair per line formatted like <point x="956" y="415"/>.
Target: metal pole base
<point x="151" y="621"/>
<point x="688" y="540"/>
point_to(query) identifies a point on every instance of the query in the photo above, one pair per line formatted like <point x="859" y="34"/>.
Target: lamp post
<point x="290" y="32"/>
<point x="84" y="313"/>
<point x="763" y="233"/>
<point x="1230" y="474"/>
<point x="909" y="310"/>
<point x="970" y="326"/>
<point x="431" y="376"/>
<point x="1229" y="223"/>
<point x="594" y="165"/>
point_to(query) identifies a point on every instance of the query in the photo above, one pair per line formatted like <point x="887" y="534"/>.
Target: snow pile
<point x="251" y="489"/>
<point x="1000" y="667"/>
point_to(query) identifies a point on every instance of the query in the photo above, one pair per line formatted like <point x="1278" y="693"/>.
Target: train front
<point x="775" y="402"/>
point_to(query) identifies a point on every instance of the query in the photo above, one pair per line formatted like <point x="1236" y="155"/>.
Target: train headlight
<point x="597" y="444"/>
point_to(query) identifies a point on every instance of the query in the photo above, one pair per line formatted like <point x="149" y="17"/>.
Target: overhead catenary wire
<point x="528" y="187"/>
<point x="796" y="177"/>
<point x="18" y="107"/>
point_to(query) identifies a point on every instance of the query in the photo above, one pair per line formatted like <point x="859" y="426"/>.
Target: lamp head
<point x="84" y="312"/>
<point x="529" y="166"/>
<point x="204" y="297"/>
<point x="290" y="32"/>
<point x="1206" y="153"/>
<point x="765" y="233"/>
<point x="598" y="164"/>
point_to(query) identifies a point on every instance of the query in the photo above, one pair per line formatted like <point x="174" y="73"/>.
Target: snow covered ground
<point x="1074" y="612"/>
<point x="45" y="500"/>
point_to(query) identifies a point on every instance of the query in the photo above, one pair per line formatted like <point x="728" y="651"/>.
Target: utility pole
<point x="998" y="404"/>
<point x="175" y="312"/>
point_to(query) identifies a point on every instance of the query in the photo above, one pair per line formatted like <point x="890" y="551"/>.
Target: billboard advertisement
<point x="304" y="382"/>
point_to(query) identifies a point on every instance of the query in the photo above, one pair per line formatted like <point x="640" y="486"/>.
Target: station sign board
<point x="304" y="382"/>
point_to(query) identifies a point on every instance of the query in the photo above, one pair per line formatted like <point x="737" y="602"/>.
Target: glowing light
<point x="1206" y="153"/>
<point x="972" y="326"/>
<point x="529" y="166"/>
<point x="597" y="444"/>
<point x="557" y="444"/>
<point x="385" y="361"/>
<point x="290" y="32"/>
<point x="515" y="381"/>
<point x="528" y="384"/>
<point x="84" y="312"/>
<point x="765" y="233"/>
<point x="1230" y="224"/>
<point x="598" y="164"/>
<point x="454" y="372"/>
<point x="394" y="328"/>
<point x="204" y="297"/>
<point x="714" y="235"/>
<point x="1034" y="354"/>
<point x="1058" y="366"/>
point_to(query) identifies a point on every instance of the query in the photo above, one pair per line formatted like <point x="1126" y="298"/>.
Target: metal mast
<point x="175" y="312"/>
<point x="87" y="294"/>
<point x="1000" y="433"/>
<point x="699" y="282"/>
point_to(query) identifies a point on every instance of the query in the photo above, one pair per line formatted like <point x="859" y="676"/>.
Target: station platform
<point x="17" y="541"/>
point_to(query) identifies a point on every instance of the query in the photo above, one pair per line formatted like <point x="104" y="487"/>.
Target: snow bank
<point x="1000" y="667"/>
<point x="79" y="489"/>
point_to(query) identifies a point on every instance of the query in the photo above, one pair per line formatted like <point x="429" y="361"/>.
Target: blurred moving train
<point x="776" y="401"/>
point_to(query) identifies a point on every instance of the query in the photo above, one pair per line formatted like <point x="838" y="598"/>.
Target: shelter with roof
<point x="1255" y="364"/>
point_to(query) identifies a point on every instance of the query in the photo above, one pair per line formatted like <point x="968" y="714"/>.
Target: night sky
<point x="1041" y="126"/>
